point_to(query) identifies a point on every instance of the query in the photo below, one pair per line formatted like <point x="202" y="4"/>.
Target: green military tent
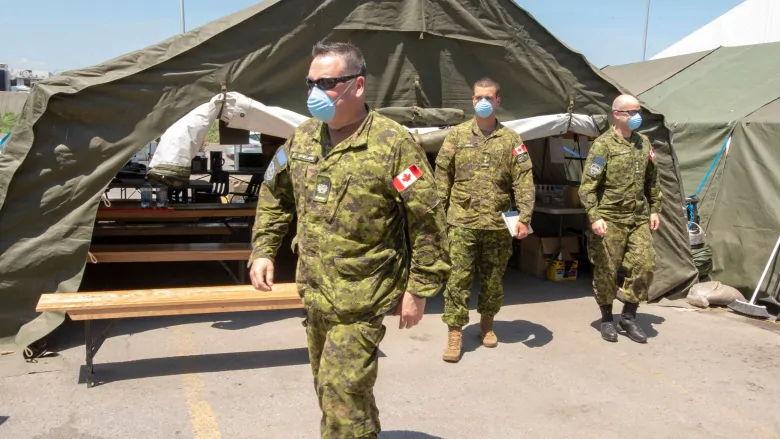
<point x="728" y="100"/>
<point x="79" y="128"/>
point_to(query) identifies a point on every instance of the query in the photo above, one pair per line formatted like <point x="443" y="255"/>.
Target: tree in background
<point x="213" y="135"/>
<point x="7" y="122"/>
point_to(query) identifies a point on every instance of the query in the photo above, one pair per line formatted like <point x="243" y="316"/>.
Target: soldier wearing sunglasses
<point x="622" y="197"/>
<point x="371" y="235"/>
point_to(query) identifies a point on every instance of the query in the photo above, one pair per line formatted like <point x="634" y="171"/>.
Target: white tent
<point x="750" y="22"/>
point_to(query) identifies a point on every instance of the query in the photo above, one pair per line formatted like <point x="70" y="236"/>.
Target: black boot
<point x="608" y="331"/>
<point x="627" y="323"/>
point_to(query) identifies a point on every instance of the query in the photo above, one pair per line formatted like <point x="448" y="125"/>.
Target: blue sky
<point x="57" y="35"/>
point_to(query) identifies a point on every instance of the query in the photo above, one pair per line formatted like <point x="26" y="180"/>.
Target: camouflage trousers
<point x="344" y="361"/>
<point x="629" y="246"/>
<point x="485" y="251"/>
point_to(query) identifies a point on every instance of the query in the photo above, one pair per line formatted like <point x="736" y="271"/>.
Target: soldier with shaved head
<point x="622" y="197"/>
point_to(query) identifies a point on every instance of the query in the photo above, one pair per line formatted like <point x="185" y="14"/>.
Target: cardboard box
<point x="571" y="196"/>
<point x="537" y="251"/>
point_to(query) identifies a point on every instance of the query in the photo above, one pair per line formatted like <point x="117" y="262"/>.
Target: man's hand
<point x="599" y="227"/>
<point x="262" y="274"/>
<point x="521" y="230"/>
<point x="655" y="221"/>
<point x="411" y="310"/>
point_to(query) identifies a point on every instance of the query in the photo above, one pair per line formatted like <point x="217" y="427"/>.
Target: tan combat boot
<point x="486" y="333"/>
<point x="454" y="345"/>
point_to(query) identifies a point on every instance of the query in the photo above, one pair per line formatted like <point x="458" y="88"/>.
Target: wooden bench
<point x="116" y="305"/>
<point x="190" y="252"/>
<point x="167" y="229"/>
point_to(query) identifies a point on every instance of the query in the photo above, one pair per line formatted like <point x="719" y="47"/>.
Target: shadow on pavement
<point x="105" y="373"/>
<point x="71" y="333"/>
<point x="403" y="434"/>
<point x="205" y="363"/>
<point x="533" y="335"/>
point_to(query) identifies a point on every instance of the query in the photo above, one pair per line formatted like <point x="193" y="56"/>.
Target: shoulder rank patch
<point x="304" y="157"/>
<point x="322" y="189"/>
<point x="281" y="157"/>
<point x="652" y="154"/>
<point x="407" y="178"/>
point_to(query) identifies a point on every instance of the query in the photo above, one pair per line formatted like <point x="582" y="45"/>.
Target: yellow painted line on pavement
<point x="204" y="423"/>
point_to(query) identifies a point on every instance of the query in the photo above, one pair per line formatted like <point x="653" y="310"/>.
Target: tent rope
<point x="105" y="199"/>
<point x="223" y="90"/>
<point x="570" y="111"/>
<point x="92" y="258"/>
<point x="715" y="162"/>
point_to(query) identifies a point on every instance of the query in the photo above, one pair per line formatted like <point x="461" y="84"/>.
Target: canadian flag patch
<point x="652" y="153"/>
<point x="519" y="150"/>
<point x="407" y="178"/>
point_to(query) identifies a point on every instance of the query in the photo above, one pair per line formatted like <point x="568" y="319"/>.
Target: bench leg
<point x="230" y="272"/>
<point x="92" y="346"/>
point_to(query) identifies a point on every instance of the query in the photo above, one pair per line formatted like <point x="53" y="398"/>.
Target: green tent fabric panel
<point x="769" y="113"/>
<point x="696" y="145"/>
<point x="642" y="76"/>
<point x="725" y="86"/>
<point x="675" y="271"/>
<point x="79" y="128"/>
<point x="746" y="221"/>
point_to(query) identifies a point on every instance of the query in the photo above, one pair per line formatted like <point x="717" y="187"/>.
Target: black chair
<point x="252" y="189"/>
<point x="220" y="186"/>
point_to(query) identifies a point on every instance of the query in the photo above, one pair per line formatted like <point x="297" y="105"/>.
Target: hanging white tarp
<point x="182" y="141"/>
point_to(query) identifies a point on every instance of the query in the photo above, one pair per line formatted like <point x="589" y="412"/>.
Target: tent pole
<point x="181" y="8"/>
<point x="647" y="22"/>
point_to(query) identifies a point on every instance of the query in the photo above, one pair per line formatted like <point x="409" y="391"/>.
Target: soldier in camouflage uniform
<point x="371" y="235"/>
<point x="478" y="168"/>
<point x="622" y="197"/>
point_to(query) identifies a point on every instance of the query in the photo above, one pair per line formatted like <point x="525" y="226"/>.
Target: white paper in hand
<point x="510" y="219"/>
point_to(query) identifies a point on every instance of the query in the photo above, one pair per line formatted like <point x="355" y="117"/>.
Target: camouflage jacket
<point x="476" y="176"/>
<point x="620" y="179"/>
<point x="369" y="223"/>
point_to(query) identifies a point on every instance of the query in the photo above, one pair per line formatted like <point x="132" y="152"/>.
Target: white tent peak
<point x="750" y="22"/>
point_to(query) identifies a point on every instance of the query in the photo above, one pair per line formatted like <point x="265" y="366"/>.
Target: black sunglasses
<point x="328" y="83"/>
<point x="631" y="112"/>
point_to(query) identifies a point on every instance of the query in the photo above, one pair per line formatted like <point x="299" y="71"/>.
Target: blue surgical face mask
<point x="483" y="108"/>
<point x="320" y="106"/>
<point x="634" y="121"/>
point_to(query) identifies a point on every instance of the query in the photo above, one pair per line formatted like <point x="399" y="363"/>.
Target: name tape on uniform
<point x="304" y="157"/>
<point x="407" y="178"/>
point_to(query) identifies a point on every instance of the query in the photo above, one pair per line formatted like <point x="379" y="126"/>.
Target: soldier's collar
<point x="358" y="138"/>
<point x="498" y="131"/>
<point x="631" y="141"/>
